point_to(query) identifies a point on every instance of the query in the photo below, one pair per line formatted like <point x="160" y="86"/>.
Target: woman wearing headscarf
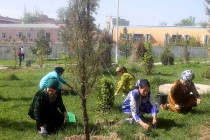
<point x="47" y="109"/>
<point x="127" y="81"/>
<point x="138" y="102"/>
<point x="183" y="95"/>
<point x="57" y="74"/>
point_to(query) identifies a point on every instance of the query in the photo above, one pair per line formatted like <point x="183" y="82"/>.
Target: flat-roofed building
<point x="27" y="33"/>
<point x="159" y="35"/>
<point x="7" y="20"/>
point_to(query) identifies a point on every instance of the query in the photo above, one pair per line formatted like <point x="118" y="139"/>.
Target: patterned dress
<point x="184" y="96"/>
<point x="137" y="105"/>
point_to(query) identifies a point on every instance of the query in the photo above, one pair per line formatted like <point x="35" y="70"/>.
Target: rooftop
<point x="28" y="26"/>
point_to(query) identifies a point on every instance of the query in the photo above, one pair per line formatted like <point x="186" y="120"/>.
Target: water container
<point x="161" y="98"/>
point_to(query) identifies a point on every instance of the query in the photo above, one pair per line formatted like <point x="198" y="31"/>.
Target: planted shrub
<point x="138" y="51"/>
<point x="106" y="93"/>
<point x="186" y="54"/>
<point x="148" y="59"/>
<point x="206" y="74"/>
<point x="167" y="57"/>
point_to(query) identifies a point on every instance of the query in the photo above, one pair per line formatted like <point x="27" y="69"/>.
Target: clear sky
<point x="138" y="12"/>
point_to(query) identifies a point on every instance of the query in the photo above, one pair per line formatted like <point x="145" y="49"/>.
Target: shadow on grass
<point x="167" y="124"/>
<point x="15" y="99"/>
<point x="77" y="128"/>
<point x="162" y="74"/>
<point x="197" y="112"/>
<point x="16" y="125"/>
<point x="117" y="108"/>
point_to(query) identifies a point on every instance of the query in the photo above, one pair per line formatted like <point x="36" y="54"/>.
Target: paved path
<point x="3" y="67"/>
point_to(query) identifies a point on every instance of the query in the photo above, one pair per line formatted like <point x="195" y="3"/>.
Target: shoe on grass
<point x="164" y="106"/>
<point x="130" y="120"/>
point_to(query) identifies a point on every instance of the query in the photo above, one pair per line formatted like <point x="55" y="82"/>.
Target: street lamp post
<point x="117" y="21"/>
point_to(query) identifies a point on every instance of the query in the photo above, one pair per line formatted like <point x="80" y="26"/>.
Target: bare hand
<point x="198" y="101"/>
<point x="154" y="121"/>
<point x="144" y="125"/>
<point x="66" y="117"/>
<point x="177" y="106"/>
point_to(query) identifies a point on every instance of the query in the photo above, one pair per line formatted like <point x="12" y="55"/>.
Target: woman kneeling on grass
<point x="183" y="95"/>
<point x="44" y="109"/>
<point x="138" y="102"/>
<point x="127" y="81"/>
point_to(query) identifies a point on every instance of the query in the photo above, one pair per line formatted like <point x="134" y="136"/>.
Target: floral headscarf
<point x="187" y="75"/>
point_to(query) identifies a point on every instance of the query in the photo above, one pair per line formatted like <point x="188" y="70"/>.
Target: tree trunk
<point x="85" y="115"/>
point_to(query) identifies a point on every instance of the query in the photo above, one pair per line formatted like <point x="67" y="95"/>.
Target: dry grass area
<point x="205" y="132"/>
<point x="112" y="136"/>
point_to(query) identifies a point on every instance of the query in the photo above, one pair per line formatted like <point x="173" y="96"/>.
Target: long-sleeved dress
<point x="184" y="96"/>
<point x="47" y="111"/>
<point x="137" y="105"/>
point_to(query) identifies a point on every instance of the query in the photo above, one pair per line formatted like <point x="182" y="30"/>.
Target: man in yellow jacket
<point x="127" y="81"/>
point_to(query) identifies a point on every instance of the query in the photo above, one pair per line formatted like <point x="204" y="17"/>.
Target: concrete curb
<point x="202" y="89"/>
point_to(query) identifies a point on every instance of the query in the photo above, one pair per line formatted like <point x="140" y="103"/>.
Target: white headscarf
<point x="187" y="75"/>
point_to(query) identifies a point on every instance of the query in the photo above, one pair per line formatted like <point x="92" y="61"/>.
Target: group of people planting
<point x="182" y="97"/>
<point x="49" y="112"/>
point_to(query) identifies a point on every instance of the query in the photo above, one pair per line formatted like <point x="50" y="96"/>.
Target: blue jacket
<point x="53" y="74"/>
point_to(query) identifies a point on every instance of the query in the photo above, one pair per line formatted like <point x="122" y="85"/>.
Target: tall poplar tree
<point x="82" y="38"/>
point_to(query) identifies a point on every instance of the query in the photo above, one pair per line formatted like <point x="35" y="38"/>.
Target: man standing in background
<point x="22" y="54"/>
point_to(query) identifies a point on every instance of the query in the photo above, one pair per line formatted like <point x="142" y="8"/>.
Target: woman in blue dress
<point x="138" y="102"/>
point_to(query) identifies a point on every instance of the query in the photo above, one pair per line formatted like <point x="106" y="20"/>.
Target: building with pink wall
<point x="27" y="33"/>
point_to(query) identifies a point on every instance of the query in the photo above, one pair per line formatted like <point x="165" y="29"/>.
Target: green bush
<point x="186" y="54"/>
<point x="167" y="57"/>
<point x="148" y="59"/>
<point x="206" y="74"/>
<point x="106" y="93"/>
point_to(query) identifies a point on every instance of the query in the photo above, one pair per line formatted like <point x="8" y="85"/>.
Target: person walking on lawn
<point x="19" y="56"/>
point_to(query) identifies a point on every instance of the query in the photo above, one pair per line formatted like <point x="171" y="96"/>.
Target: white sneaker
<point x="130" y="120"/>
<point x="43" y="134"/>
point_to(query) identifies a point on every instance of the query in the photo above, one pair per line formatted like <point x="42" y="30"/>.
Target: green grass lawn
<point x="18" y="86"/>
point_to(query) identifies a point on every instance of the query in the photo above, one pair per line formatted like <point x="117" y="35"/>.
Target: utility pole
<point x="117" y="22"/>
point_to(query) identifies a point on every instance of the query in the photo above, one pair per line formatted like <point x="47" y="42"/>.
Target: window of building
<point x="137" y="38"/>
<point x="37" y="35"/>
<point x="29" y="36"/>
<point x="206" y="39"/>
<point x="47" y="36"/>
<point x="4" y="35"/>
<point x="176" y="38"/>
<point x="186" y="37"/>
<point x="147" y="37"/>
<point x="20" y="34"/>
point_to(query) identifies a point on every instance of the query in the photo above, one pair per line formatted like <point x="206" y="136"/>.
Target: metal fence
<point x="9" y="52"/>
